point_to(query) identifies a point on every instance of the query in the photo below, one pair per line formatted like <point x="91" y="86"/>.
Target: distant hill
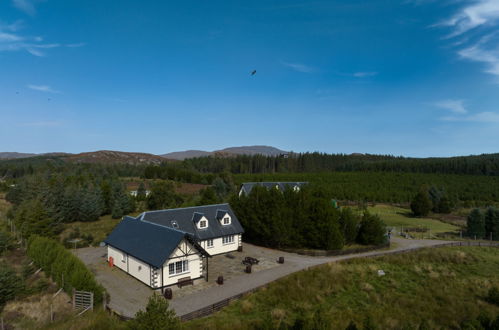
<point x="245" y="150"/>
<point x="15" y="155"/>
<point x="110" y="157"/>
<point x="181" y="155"/>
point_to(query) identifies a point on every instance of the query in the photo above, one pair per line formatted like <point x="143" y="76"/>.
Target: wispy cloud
<point x="11" y="40"/>
<point x="456" y="106"/>
<point x="299" y="67"/>
<point x="481" y="52"/>
<point x="481" y="12"/>
<point x="482" y="117"/>
<point x="26" y="6"/>
<point x="364" y="74"/>
<point x="482" y="17"/>
<point x="43" y="88"/>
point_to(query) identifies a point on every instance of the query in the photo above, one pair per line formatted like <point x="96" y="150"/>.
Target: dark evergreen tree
<point x="476" y="224"/>
<point x="372" y="230"/>
<point x="162" y="196"/>
<point x="492" y="223"/>
<point x="157" y="316"/>
<point x="421" y="204"/>
<point x="208" y="196"/>
<point x="141" y="192"/>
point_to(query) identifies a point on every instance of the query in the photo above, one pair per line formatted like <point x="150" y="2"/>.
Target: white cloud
<point x="25" y="5"/>
<point x="480" y="52"/>
<point x="481" y="12"/>
<point x="12" y="41"/>
<point x="456" y="106"/>
<point x="43" y="88"/>
<point x="364" y="74"/>
<point x="477" y="17"/>
<point x="299" y="67"/>
<point x="482" y="117"/>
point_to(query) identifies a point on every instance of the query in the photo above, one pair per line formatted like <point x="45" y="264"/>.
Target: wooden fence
<point x="210" y="309"/>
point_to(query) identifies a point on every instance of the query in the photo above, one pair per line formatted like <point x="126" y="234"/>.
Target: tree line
<point x="303" y="219"/>
<point x="483" y="224"/>
<point x="487" y="164"/>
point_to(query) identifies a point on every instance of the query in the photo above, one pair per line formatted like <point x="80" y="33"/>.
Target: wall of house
<point x="117" y="256"/>
<point x="139" y="269"/>
<point x="219" y="247"/>
<point x="130" y="265"/>
<point x="185" y="251"/>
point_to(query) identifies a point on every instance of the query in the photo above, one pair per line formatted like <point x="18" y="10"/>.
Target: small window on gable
<point x="226" y="221"/>
<point x="203" y="224"/>
<point x="174" y="224"/>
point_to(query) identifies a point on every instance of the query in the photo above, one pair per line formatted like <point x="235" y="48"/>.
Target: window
<point x="203" y="224"/>
<point x="226" y="220"/>
<point x="174" y="224"/>
<point x="228" y="239"/>
<point x="209" y="243"/>
<point x="178" y="267"/>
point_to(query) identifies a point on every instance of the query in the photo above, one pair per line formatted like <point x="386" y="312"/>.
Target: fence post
<point x="104" y="303"/>
<point x="73" y="298"/>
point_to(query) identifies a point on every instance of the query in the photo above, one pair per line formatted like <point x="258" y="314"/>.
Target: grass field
<point x="443" y="286"/>
<point x="99" y="229"/>
<point x="399" y="217"/>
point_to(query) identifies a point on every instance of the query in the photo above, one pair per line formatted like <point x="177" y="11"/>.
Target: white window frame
<point x="228" y="240"/>
<point x="178" y="268"/>
<point x="205" y="222"/>
<point x="226" y="221"/>
<point x="209" y="243"/>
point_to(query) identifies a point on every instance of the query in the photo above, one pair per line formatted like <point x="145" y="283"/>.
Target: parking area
<point x="128" y="295"/>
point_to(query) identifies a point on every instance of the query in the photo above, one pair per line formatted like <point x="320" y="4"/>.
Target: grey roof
<point x="248" y="186"/>
<point x="146" y="241"/>
<point x="186" y="218"/>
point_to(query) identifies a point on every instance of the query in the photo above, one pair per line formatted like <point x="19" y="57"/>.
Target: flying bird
<point x="253" y="72"/>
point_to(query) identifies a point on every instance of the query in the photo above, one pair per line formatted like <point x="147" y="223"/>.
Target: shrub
<point x="10" y="284"/>
<point x="157" y="316"/>
<point x="372" y="230"/>
<point x="58" y="262"/>
<point x="421" y="204"/>
<point x="493" y="296"/>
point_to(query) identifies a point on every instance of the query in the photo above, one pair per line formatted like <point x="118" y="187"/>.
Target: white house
<point x="215" y="227"/>
<point x="156" y="255"/>
<point x="165" y="247"/>
<point x="248" y="186"/>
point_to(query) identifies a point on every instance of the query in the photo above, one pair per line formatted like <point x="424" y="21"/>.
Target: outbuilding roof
<point x="148" y="242"/>
<point x="185" y="218"/>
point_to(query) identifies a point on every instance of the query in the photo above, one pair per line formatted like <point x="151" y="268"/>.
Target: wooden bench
<point x="184" y="281"/>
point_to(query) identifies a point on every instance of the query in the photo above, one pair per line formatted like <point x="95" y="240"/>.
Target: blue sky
<point x="408" y="77"/>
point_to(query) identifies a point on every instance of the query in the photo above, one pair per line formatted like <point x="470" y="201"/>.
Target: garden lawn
<point x="399" y="217"/>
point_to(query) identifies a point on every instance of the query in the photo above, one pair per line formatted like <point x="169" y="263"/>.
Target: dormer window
<point x="203" y="224"/>
<point x="174" y="224"/>
<point x="226" y="221"/>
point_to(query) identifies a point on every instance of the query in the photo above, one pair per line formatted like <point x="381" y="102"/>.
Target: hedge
<point x="58" y="262"/>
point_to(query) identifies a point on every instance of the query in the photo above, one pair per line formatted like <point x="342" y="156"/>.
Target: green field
<point x="99" y="229"/>
<point x="443" y="286"/>
<point x="401" y="218"/>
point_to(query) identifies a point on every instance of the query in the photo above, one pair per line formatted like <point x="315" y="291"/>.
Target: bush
<point x="493" y="296"/>
<point x="157" y="316"/>
<point x="372" y="230"/>
<point x="10" y="284"/>
<point x="57" y="262"/>
<point x="421" y="204"/>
